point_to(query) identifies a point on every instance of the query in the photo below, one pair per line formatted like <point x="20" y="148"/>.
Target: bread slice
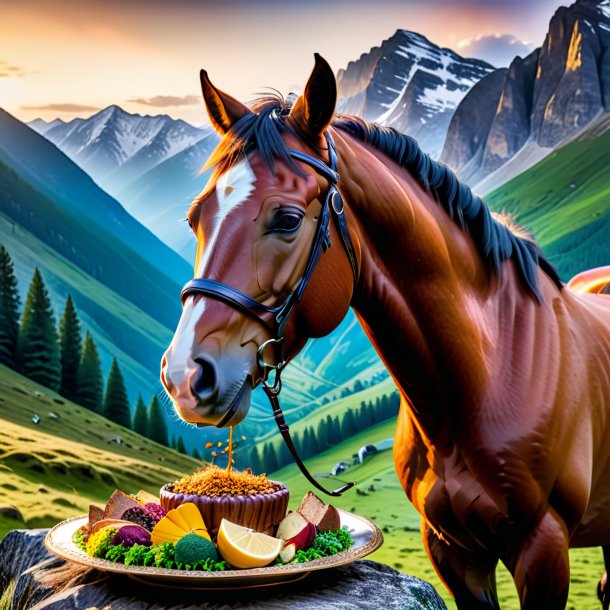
<point x="324" y="516"/>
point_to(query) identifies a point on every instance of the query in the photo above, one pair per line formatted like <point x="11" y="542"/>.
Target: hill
<point x="565" y="201"/>
<point x="53" y="174"/>
<point x="54" y="469"/>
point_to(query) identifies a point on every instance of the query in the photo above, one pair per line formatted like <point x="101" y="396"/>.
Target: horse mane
<point x="262" y="131"/>
<point x="495" y="238"/>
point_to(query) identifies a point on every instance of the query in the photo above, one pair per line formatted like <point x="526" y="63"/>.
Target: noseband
<point x="332" y="206"/>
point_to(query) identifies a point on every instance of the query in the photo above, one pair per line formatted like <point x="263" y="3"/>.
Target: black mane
<point x="263" y="129"/>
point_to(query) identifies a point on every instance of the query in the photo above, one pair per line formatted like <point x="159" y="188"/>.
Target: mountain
<point x="411" y="84"/>
<point x="50" y="172"/>
<point x="151" y="164"/>
<point x="160" y="197"/>
<point x="114" y="147"/>
<point x="514" y="117"/>
<point x="563" y="200"/>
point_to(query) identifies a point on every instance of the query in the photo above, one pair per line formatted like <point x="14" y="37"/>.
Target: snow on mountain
<point x="411" y="84"/>
<point x="41" y="126"/>
<point x="115" y="147"/>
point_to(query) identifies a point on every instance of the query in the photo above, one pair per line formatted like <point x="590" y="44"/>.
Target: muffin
<point x="240" y="497"/>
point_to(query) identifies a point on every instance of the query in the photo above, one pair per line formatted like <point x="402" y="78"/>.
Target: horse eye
<point x="286" y="221"/>
<point x="190" y="223"/>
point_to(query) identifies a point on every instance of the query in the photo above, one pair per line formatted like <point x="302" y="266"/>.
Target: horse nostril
<point x="205" y="383"/>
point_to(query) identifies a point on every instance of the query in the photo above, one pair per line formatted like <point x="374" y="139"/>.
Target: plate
<point x="366" y="535"/>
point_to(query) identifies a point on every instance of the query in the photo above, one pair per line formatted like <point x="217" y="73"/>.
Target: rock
<point x="543" y="100"/>
<point x="471" y="121"/>
<point x="11" y="512"/>
<point x="49" y="583"/>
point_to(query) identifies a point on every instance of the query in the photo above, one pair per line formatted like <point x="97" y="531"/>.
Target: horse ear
<point x="314" y="110"/>
<point x="223" y="109"/>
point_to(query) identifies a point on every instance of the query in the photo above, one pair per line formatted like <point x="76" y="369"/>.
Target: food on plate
<point x="295" y="529"/>
<point x="244" y="548"/>
<point x="137" y="531"/>
<point x="129" y="535"/>
<point x="99" y="542"/>
<point x="324" y="516"/>
<point x="178" y="522"/>
<point x="240" y="497"/>
<point x="191" y="549"/>
<point x="147" y="516"/>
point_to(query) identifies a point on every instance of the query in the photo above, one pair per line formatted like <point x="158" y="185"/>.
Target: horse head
<point x="256" y="224"/>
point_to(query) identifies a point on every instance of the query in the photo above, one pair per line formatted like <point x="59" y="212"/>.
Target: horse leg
<point x="470" y="577"/>
<point x="540" y="565"/>
<point x="603" y="587"/>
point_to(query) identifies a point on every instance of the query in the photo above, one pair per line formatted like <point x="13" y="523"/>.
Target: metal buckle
<point x="336" y="195"/>
<point x="267" y="369"/>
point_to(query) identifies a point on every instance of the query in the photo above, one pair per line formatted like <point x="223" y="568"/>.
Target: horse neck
<point x="423" y="295"/>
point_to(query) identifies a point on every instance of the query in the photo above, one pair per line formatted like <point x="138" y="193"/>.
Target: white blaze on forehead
<point x="232" y="189"/>
<point x="185" y="340"/>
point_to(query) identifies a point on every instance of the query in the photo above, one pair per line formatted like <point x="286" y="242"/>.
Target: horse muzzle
<point x="208" y="394"/>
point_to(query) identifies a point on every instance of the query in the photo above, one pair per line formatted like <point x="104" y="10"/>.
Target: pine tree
<point x="330" y="432"/>
<point x="323" y="435"/>
<point x="270" y="458"/>
<point x="348" y="425"/>
<point x="313" y="443"/>
<point x="140" y="417"/>
<point x="180" y="446"/>
<point x="306" y="445"/>
<point x="156" y="429"/>
<point x="296" y="441"/>
<point x="255" y="461"/>
<point x="90" y="382"/>
<point x="336" y="430"/>
<point x="284" y="457"/>
<point x="196" y="455"/>
<point x="70" y="346"/>
<point x="116" y="403"/>
<point x="9" y="310"/>
<point x="37" y="347"/>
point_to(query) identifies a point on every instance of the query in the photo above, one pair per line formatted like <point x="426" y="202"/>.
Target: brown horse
<point x="502" y="442"/>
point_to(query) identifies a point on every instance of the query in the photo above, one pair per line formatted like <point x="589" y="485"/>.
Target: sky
<point x="70" y="58"/>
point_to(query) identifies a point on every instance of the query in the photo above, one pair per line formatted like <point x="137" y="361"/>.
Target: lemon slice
<point x="245" y="548"/>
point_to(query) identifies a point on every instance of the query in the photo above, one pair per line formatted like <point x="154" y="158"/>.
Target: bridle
<point x="331" y="206"/>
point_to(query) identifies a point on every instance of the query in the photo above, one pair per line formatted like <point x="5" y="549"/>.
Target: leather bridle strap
<point x="283" y="428"/>
<point x="332" y="205"/>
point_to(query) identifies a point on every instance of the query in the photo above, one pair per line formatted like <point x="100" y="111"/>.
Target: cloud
<point x="498" y="50"/>
<point x="163" y="101"/>
<point x="63" y="107"/>
<point x="7" y="70"/>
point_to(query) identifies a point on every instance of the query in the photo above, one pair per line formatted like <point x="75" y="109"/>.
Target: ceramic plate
<point x="366" y="535"/>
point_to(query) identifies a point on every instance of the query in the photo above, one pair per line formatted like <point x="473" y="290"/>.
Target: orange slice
<point x="245" y="548"/>
<point x="178" y="522"/>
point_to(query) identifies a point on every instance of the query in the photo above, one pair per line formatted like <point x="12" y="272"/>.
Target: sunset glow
<point x="67" y="58"/>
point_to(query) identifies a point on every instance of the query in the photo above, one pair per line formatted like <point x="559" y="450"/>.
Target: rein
<point x="332" y="206"/>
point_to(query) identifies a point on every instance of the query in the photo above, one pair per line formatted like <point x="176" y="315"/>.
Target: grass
<point x="563" y="200"/>
<point x="53" y="470"/>
<point x="334" y="408"/>
<point x="384" y="502"/>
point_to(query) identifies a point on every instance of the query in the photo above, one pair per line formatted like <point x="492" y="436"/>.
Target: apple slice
<point x="295" y="529"/>
<point x="288" y="552"/>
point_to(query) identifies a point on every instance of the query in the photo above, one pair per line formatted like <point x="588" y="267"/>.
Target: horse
<point x="504" y="372"/>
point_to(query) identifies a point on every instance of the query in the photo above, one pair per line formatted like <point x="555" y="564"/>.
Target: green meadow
<point x="54" y="469"/>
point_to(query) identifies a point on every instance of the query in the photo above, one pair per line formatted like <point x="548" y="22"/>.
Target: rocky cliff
<point x="540" y="101"/>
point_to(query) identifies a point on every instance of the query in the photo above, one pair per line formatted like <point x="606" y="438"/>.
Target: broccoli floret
<point x="325" y="544"/>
